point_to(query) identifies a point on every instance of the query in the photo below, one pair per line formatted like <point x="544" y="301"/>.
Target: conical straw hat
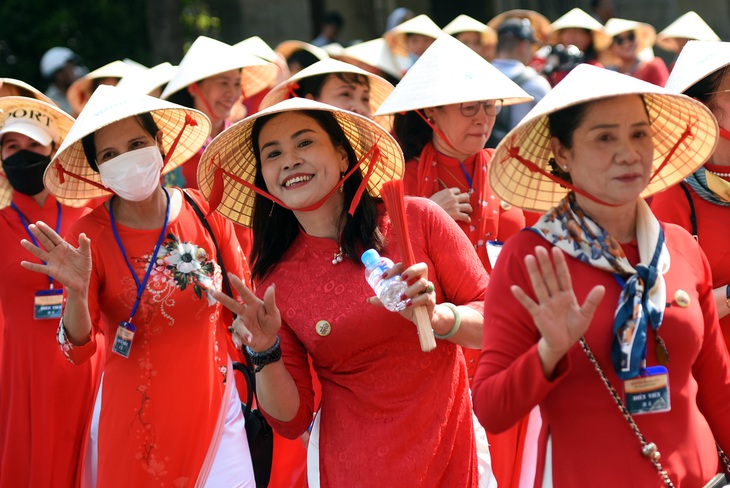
<point x="448" y="73"/>
<point x="645" y="33"/>
<point x="671" y="115"/>
<point x="540" y="23"/>
<point x="688" y="26"/>
<point x="232" y="152"/>
<point x="109" y="104"/>
<point x="379" y="88"/>
<point x="26" y="90"/>
<point x="464" y="23"/>
<point x="208" y="57"/>
<point x="146" y="81"/>
<point x="420" y="24"/>
<point x="287" y="48"/>
<point x="375" y="53"/>
<point x="258" y="47"/>
<point x="80" y="90"/>
<point x="579" y="19"/>
<point x="41" y="121"/>
<point x="697" y="60"/>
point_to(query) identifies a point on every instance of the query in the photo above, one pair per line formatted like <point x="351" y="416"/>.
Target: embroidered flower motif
<point x="184" y="258"/>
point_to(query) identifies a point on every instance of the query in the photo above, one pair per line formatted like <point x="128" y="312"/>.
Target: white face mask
<point x="133" y="175"/>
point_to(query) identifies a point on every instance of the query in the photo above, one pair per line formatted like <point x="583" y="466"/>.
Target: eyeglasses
<point x="491" y="107"/>
<point x="631" y="37"/>
<point x="718" y="91"/>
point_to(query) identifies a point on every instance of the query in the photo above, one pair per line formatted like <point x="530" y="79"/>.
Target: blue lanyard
<point x="26" y="225"/>
<point x="466" y="174"/>
<point x="140" y="285"/>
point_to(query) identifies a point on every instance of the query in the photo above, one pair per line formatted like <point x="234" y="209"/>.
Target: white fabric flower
<point x="184" y="258"/>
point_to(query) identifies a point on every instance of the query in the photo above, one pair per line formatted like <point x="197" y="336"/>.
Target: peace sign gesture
<point x="558" y="316"/>
<point x="258" y="321"/>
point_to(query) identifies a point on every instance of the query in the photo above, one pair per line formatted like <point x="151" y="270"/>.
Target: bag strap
<point x="692" y="215"/>
<point x="648" y="449"/>
<point x="245" y="369"/>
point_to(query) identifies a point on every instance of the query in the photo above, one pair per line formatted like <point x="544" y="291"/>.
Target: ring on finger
<point x="429" y="288"/>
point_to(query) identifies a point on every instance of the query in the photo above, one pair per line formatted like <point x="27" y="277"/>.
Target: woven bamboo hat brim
<point x="80" y="90"/>
<point x="258" y="47"/>
<point x="671" y="116"/>
<point x="379" y="88"/>
<point x="107" y="105"/>
<point x="645" y="33"/>
<point x="26" y="90"/>
<point x="420" y="24"/>
<point x="287" y="48"/>
<point x="464" y="23"/>
<point x="579" y="19"/>
<point x="264" y="76"/>
<point x="232" y="151"/>
<point x="20" y="112"/>
<point x="697" y="60"/>
<point x="447" y="73"/>
<point x="146" y="81"/>
<point x="208" y="57"/>
<point x="688" y="26"/>
<point x="540" y="23"/>
<point x="334" y="49"/>
<point x="375" y="53"/>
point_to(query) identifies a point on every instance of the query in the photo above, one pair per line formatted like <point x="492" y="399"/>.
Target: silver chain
<point x="648" y="449"/>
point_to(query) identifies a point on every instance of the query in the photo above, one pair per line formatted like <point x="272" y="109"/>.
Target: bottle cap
<point x="370" y="258"/>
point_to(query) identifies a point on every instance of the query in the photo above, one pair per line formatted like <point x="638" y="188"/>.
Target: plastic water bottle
<point x="388" y="291"/>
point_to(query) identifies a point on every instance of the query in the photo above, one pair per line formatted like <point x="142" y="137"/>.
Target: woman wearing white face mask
<point x="140" y="268"/>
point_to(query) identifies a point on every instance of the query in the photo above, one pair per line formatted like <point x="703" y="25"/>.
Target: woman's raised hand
<point x="455" y="202"/>
<point x="258" y="321"/>
<point x="558" y="316"/>
<point x="71" y="266"/>
<point x="420" y="291"/>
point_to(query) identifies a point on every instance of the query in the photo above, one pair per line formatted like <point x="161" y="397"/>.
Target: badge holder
<point x="124" y="338"/>
<point x="649" y="392"/>
<point x="48" y="304"/>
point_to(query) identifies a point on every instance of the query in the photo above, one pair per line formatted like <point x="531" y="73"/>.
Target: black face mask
<point x="24" y="170"/>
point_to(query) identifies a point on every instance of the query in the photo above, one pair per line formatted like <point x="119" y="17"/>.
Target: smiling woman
<point x="307" y="177"/>
<point x="585" y="306"/>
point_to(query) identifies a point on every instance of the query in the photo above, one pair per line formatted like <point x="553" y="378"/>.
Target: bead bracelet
<point x="457" y="322"/>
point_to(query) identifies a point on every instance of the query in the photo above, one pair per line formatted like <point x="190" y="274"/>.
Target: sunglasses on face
<point x="630" y="37"/>
<point x="491" y="107"/>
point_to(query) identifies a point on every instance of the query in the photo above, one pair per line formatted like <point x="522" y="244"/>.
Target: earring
<point x="430" y="119"/>
<point x="271" y="210"/>
<point x="566" y="167"/>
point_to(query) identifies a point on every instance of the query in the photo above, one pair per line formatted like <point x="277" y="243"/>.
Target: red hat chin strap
<point x="189" y="121"/>
<point x="514" y="152"/>
<point x="724" y="134"/>
<point x="62" y="173"/>
<point x="217" y="191"/>
<point x="437" y="131"/>
<point x="198" y="92"/>
<point x="291" y="89"/>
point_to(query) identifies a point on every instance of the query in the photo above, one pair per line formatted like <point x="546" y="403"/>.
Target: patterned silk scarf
<point x="485" y="217"/>
<point x="709" y="187"/>
<point x="569" y="228"/>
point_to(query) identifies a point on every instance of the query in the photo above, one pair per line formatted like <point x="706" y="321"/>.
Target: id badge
<point x="493" y="250"/>
<point x="48" y="304"/>
<point x="648" y="393"/>
<point x="123" y="339"/>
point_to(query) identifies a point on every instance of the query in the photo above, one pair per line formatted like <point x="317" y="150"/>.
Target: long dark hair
<point x="145" y="120"/>
<point x="412" y="133"/>
<point x="275" y="228"/>
<point x="703" y="89"/>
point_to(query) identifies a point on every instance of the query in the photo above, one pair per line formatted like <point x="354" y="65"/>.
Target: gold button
<point x="682" y="298"/>
<point x="323" y="328"/>
<point x="505" y="206"/>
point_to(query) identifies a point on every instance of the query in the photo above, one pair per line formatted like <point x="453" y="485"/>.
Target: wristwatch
<point x="727" y="295"/>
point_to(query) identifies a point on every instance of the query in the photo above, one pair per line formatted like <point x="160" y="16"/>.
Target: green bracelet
<point x="457" y="322"/>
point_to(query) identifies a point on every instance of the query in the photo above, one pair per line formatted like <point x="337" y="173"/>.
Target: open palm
<point x="71" y="266"/>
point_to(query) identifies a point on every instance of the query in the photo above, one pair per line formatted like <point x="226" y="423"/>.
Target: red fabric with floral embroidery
<point x="44" y="399"/>
<point x="159" y="406"/>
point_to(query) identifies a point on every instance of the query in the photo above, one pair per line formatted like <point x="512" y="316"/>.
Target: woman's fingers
<point x="538" y="283"/>
<point x="229" y="302"/>
<point x="594" y="298"/>
<point x="547" y="270"/>
<point x="34" y="250"/>
<point x="525" y="300"/>
<point x="46" y="236"/>
<point x="565" y="282"/>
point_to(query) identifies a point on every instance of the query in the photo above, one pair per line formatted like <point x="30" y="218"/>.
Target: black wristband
<point x="261" y="359"/>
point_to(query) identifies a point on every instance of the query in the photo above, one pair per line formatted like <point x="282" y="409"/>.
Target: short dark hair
<point x="704" y="88"/>
<point x="145" y="120"/>
<point x="312" y="85"/>
<point x="412" y="133"/>
<point x="333" y="17"/>
<point x="275" y="228"/>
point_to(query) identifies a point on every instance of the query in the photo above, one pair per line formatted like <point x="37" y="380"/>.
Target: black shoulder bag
<point x="258" y="431"/>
